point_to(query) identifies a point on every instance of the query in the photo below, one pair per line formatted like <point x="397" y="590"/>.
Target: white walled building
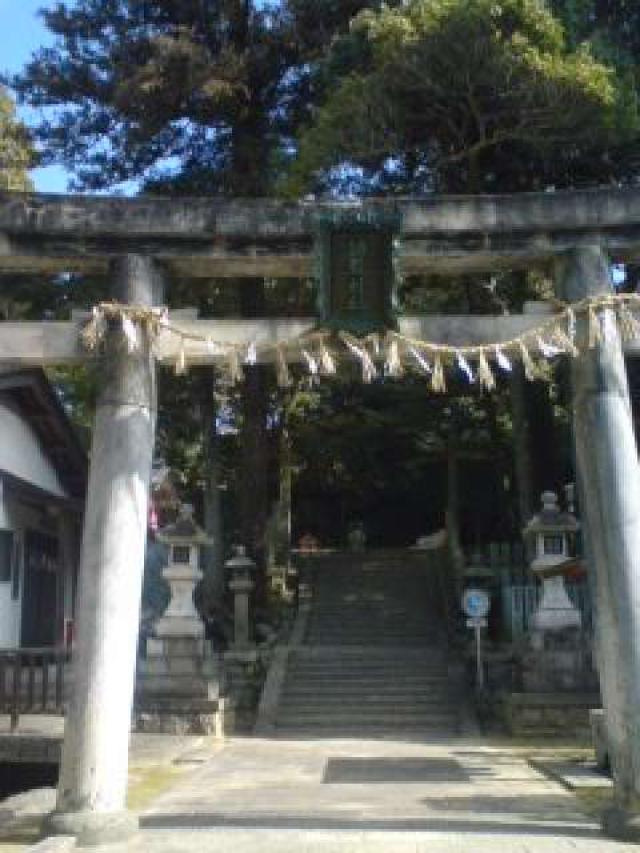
<point x="43" y="471"/>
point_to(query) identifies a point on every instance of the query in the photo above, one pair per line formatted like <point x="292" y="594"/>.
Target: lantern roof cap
<point x="551" y="519"/>
<point x="184" y="531"/>
<point x="240" y="559"/>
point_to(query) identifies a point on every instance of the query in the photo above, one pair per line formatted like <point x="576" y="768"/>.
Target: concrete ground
<point x="377" y="795"/>
<point x="326" y="795"/>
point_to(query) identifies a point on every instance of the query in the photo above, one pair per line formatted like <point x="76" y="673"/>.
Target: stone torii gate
<point x="142" y="243"/>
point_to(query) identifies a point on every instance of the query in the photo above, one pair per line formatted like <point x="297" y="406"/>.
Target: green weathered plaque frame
<point x="349" y="238"/>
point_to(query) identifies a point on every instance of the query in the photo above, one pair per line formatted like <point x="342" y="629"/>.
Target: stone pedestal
<point x="244" y="677"/>
<point x="558" y="661"/>
<point x="178" y="688"/>
<point x="559" y="654"/>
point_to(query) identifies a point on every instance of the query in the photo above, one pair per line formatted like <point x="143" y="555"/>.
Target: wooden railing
<point x="32" y="681"/>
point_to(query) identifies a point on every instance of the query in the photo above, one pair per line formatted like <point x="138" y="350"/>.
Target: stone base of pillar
<point x="92" y="829"/>
<point x="178" y="689"/>
<point x="622" y="824"/>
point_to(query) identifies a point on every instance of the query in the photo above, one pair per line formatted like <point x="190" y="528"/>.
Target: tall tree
<point x="200" y="95"/>
<point x="467" y="95"/>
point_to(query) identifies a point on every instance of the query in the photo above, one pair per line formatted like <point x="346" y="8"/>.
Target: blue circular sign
<point x="476" y="603"/>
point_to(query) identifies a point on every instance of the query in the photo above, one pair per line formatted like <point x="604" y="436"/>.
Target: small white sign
<point x="477" y="623"/>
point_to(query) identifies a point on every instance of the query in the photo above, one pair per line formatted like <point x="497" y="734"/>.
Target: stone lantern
<point x="558" y="656"/>
<point x="178" y="681"/>
<point x="552" y="530"/>
<point x="184" y="540"/>
<point x="241" y="570"/>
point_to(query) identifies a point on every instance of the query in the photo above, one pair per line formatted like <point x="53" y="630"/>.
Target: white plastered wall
<point x="22" y="456"/>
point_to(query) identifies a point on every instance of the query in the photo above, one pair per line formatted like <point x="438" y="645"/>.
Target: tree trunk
<point x="254" y="489"/>
<point x="521" y="444"/>
<point x="283" y="554"/>
<point x="213" y="556"/>
<point x="452" y="515"/>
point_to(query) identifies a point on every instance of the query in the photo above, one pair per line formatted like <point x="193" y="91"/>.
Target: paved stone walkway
<point x="377" y="795"/>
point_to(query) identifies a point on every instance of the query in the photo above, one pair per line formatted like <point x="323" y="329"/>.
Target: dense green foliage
<point x="467" y="95"/>
<point x="16" y="151"/>
<point x="196" y="95"/>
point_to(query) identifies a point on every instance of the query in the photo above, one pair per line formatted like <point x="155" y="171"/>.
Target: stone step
<point x="370" y="669"/>
<point x="372" y="626"/>
<point x="362" y="615"/>
<point x="388" y="679"/>
<point x="392" y="721"/>
<point x="422" y="733"/>
<point x="375" y="629"/>
<point x="380" y="649"/>
<point x="378" y="639"/>
<point x="367" y="672"/>
<point x="369" y="627"/>
<point x="329" y="651"/>
<point x="382" y="678"/>
<point x="362" y="618"/>
<point x="406" y="658"/>
<point x="359" y="728"/>
<point x="442" y="705"/>
<point x="360" y="683"/>
<point x="373" y="693"/>
<point x="388" y="657"/>
<point x="374" y="659"/>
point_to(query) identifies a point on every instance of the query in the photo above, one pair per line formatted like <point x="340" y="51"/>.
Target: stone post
<point x="607" y="459"/>
<point x="241" y="585"/>
<point x="93" y="775"/>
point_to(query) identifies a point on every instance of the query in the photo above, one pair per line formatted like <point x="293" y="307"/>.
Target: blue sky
<point x="22" y="32"/>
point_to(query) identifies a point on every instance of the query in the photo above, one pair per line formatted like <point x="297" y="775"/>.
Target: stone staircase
<point x="371" y="658"/>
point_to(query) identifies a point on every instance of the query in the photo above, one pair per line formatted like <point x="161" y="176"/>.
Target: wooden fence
<point x="32" y="681"/>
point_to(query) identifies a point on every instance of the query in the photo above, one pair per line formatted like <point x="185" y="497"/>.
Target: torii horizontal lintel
<point x="268" y="219"/>
<point x="207" y="238"/>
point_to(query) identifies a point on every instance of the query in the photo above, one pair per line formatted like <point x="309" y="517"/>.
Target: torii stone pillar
<point x="607" y="459"/>
<point x="93" y="775"/>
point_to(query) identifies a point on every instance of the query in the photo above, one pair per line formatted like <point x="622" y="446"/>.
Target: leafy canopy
<point x="16" y="152"/>
<point x="452" y="94"/>
<point x="192" y="95"/>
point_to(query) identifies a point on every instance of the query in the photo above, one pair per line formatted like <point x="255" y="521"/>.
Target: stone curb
<point x="54" y="844"/>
